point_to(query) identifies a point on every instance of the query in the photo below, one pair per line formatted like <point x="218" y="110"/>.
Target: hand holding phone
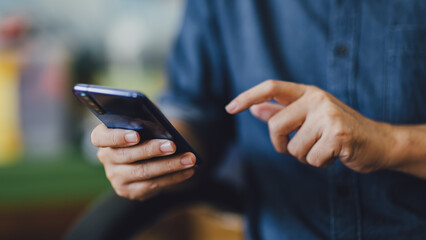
<point x="130" y="167"/>
<point x="141" y="151"/>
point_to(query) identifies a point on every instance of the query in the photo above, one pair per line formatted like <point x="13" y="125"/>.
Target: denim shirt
<point x="369" y="54"/>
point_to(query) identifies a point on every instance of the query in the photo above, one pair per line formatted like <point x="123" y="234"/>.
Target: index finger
<point x="281" y="91"/>
<point x="106" y="137"/>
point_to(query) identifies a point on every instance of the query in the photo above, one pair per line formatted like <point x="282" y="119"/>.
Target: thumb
<point x="265" y="111"/>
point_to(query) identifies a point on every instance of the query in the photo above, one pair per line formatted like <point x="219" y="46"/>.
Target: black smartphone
<point x="127" y="109"/>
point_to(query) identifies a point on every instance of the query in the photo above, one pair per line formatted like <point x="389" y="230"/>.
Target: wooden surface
<point x="194" y="223"/>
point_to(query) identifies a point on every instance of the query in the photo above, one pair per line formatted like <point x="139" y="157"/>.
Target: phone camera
<point x="91" y="103"/>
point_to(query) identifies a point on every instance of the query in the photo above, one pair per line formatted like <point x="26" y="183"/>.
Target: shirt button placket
<point x="341" y="50"/>
<point x="345" y="219"/>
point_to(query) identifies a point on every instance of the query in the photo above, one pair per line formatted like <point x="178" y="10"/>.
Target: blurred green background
<point x="49" y="173"/>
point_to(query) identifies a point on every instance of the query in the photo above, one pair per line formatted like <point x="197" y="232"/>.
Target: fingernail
<point x="166" y="147"/>
<point x="187" y="161"/>
<point x="232" y="107"/>
<point x="131" y="137"/>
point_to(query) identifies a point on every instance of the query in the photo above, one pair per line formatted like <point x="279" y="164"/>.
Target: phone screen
<point x="129" y="113"/>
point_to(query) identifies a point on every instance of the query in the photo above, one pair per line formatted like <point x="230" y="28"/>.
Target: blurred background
<point x="49" y="174"/>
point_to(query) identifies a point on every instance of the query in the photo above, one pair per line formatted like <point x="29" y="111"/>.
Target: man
<point x="348" y="104"/>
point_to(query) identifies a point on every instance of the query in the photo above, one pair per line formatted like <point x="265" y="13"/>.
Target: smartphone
<point x="127" y="109"/>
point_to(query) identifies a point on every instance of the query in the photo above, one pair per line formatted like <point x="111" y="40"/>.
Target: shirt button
<point x="341" y="50"/>
<point x="342" y="191"/>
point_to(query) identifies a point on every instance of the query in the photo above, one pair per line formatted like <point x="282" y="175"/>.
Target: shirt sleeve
<point x="198" y="80"/>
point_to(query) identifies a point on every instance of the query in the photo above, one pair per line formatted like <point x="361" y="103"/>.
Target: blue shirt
<point x="369" y="54"/>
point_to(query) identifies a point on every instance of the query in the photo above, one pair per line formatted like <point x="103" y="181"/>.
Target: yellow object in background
<point x="10" y="145"/>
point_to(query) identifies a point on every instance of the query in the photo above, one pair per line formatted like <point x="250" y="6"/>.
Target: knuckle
<point x="121" y="193"/>
<point x="116" y="138"/>
<point x="123" y="155"/>
<point x="150" y="149"/>
<point x="310" y="159"/>
<point x="279" y="146"/>
<point x="121" y="190"/>
<point x="332" y="112"/>
<point x="270" y="86"/>
<point x="318" y="95"/>
<point x="280" y="149"/>
<point x="273" y="125"/>
<point x="313" y="88"/>
<point x="316" y="92"/>
<point x="276" y="136"/>
<point x="339" y="131"/>
<point x="141" y="171"/>
<point x="132" y="196"/>
<point x="313" y="159"/>
<point x="153" y="148"/>
<point x="109" y="174"/>
<point x="170" y="165"/>
<point x="293" y="149"/>
<point x="135" y="196"/>
<point x="143" y="192"/>
<point x="346" y="154"/>
<point x="315" y="163"/>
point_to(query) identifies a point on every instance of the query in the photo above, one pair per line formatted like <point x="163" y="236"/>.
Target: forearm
<point x="409" y="150"/>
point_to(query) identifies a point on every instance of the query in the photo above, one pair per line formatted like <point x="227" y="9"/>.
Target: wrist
<point x="402" y="157"/>
<point x="387" y="150"/>
<point x="395" y="150"/>
<point x="409" y="152"/>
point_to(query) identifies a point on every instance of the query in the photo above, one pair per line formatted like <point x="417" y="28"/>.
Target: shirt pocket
<point x="406" y="74"/>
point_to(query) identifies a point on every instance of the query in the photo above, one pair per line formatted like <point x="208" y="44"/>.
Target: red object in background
<point x="13" y="28"/>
